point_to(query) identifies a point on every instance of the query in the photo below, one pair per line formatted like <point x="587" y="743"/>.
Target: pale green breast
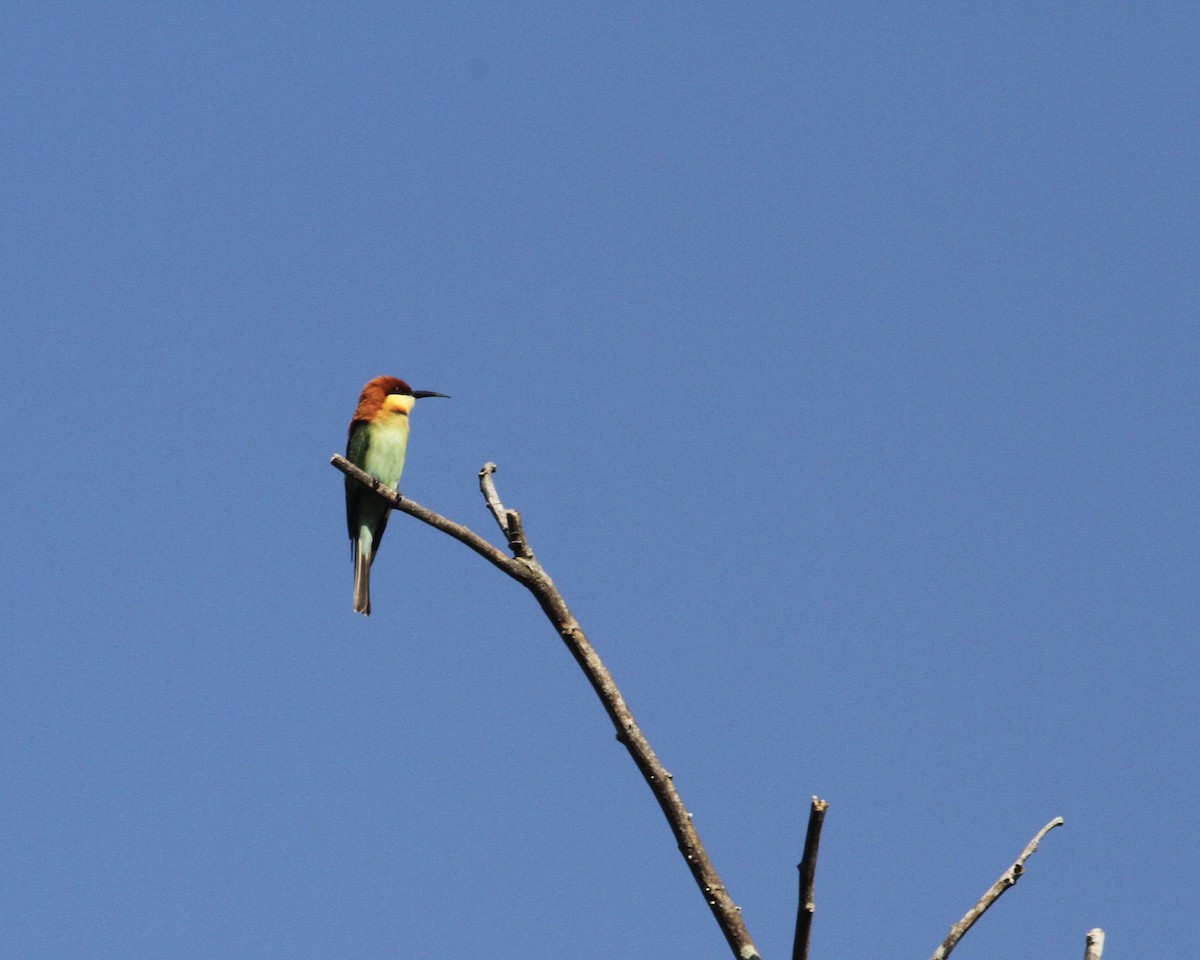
<point x="386" y="448"/>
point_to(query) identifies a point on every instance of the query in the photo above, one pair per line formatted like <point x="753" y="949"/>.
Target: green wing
<point x="356" y="453"/>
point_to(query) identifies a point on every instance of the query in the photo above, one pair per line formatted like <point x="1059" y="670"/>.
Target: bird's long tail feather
<point x="362" y="581"/>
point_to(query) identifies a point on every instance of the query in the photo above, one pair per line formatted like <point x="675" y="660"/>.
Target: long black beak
<point x="418" y="394"/>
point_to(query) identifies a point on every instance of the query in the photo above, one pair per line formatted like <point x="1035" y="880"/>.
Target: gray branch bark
<point x="524" y="568"/>
<point x="1007" y="879"/>
<point x="808" y="873"/>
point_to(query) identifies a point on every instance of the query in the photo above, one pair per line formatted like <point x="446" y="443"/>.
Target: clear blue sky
<point x="841" y="357"/>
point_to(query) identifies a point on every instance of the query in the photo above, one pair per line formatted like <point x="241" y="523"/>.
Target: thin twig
<point x="488" y="487"/>
<point x="527" y="571"/>
<point x="808" y="871"/>
<point x="1007" y="879"/>
<point x="509" y="521"/>
<point x="1095" y="944"/>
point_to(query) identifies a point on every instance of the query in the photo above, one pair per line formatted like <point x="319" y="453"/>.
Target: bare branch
<point x="1095" y="944"/>
<point x="524" y="568"/>
<point x="1007" y="879"/>
<point x="808" y="871"/>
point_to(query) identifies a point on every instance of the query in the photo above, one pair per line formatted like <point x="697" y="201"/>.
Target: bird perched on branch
<point x="377" y="443"/>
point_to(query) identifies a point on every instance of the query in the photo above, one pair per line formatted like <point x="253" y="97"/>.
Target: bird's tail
<point x="362" y="580"/>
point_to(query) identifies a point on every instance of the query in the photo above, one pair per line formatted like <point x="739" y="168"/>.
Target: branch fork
<point x="523" y="567"/>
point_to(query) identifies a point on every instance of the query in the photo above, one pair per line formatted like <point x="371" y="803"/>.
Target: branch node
<point x="516" y="536"/>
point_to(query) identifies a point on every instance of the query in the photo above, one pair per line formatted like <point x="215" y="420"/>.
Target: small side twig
<point x="1095" y="944"/>
<point x="525" y="569"/>
<point x="509" y="521"/>
<point x="808" y="871"/>
<point x="1007" y="879"/>
<point x="487" y="487"/>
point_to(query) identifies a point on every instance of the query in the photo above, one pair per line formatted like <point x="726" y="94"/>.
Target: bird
<point x="377" y="443"/>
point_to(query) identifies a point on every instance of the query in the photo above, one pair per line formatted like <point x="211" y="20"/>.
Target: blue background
<point x="842" y="359"/>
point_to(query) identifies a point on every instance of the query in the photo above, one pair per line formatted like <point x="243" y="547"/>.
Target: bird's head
<point x="395" y="395"/>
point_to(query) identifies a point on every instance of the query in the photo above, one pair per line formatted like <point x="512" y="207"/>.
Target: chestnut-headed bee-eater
<point x="377" y="443"/>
